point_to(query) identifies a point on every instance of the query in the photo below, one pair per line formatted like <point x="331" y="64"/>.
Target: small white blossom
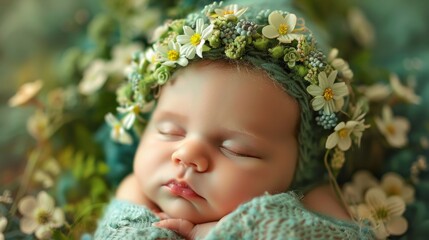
<point x="230" y="12"/>
<point x="339" y="64"/>
<point x="193" y="40"/>
<point x="133" y="112"/>
<point x="375" y="92"/>
<point x="328" y="95"/>
<point x="361" y="29"/>
<point x="118" y="133"/>
<point x="25" y="93"/>
<point x="342" y="135"/>
<point x="121" y="58"/>
<point x="395" y="129"/>
<point x="403" y="92"/>
<point x="385" y="213"/>
<point x="354" y="191"/>
<point x="40" y="215"/>
<point x="94" y="77"/>
<point x="281" y="27"/>
<point x="172" y="54"/>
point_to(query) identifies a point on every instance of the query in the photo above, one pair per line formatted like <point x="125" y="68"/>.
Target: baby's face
<point x="217" y="138"/>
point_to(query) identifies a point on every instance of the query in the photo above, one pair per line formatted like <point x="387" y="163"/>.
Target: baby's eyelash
<point x="237" y="153"/>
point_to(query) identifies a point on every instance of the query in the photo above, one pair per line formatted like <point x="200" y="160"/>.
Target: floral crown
<point x="278" y="42"/>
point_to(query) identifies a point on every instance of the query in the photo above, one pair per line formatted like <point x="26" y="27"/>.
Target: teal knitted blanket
<point x="280" y="216"/>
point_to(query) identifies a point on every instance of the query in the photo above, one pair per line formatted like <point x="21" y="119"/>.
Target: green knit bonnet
<point x="276" y="41"/>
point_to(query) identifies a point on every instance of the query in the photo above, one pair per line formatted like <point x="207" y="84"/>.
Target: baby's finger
<point x="162" y="215"/>
<point x="180" y="226"/>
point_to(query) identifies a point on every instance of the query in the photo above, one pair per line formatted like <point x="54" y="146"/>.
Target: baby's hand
<point x="185" y="228"/>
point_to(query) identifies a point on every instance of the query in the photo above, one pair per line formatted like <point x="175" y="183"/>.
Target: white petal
<point x="318" y="103"/>
<point x="183" y="61"/>
<point x="332" y="140"/>
<point x="270" y="31"/>
<point x="323" y="80"/>
<point x="27" y="205"/>
<point x="45" y="201"/>
<point x="188" y="31"/>
<point x="315" y="90"/>
<point x="28" y="225"/>
<point x="207" y="32"/>
<point x="125" y="138"/>
<point x="397" y="226"/>
<point x="58" y="218"/>
<point x="344" y="143"/>
<point x="43" y="232"/>
<point x="199" y="50"/>
<point x="291" y="21"/>
<point x="375" y="197"/>
<point x="395" y="206"/>
<point x="199" y="25"/>
<point x="332" y="76"/>
<point x="183" y="39"/>
<point x="275" y="19"/>
<point x="111" y="119"/>
<point x="340" y="90"/>
<point x="3" y="223"/>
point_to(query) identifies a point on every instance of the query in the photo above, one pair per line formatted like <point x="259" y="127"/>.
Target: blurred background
<point x="55" y="140"/>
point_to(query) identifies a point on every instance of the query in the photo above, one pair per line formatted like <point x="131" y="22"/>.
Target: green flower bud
<point x="301" y="70"/>
<point x="261" y="43"/>
<point x="236" y="49"/>
<point x="214" y="39"/>
<point x="276" y="52"/>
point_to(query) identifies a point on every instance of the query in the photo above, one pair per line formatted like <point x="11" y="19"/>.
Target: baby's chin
<point x="192" y="213"/>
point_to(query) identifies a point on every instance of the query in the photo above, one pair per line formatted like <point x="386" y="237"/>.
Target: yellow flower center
<point x="328" y="94"/>
<point x="227" y="12"/>
<point x="173" y="55"/>
<point x="381" y="214"/>
<point x="136" y="109"/>
<point x="343" y="133"/>
<point x="43" y="217"/>
<point x="117" y="129"/>
<point x="196" y="39"/>
<point x="391" y="129"/>
<point x="393" y="191"/>
<point x="283" y="28"/>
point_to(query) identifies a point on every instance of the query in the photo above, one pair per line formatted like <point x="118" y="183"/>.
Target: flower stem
<point x="29" y="168"/>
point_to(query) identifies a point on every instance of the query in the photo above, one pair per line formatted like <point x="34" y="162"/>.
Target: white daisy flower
<point x="230" y="12"/>
<point x="193" y="41"/>
<point x="328" y="95"/>
<point x="118" y="133"/>
<point x="133" y="112"/>
<point x="339" y="64"/>
<point x="40" y="215"/>
<point x="25" y="93"/>
<point x="94" y="77"/>
<point x="281" y="27"/>
<point x="395" y="129"/>
<point x="375" y="92"/>
<point x="403" y="92"/>
<point x="354" y="191"/>
<point x="394" y="185"/>
<point x="385" y="213"/>
<point x="121" y="58"/>
<point x="172" y="54"/>
<point x="342" y="135"/>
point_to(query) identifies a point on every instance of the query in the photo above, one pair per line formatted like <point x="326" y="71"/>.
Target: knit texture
<point x="280" y="216"/>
